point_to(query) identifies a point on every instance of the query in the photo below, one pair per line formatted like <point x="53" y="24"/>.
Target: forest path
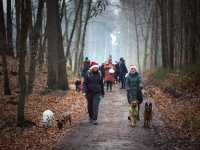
<point x="113" y="130"/>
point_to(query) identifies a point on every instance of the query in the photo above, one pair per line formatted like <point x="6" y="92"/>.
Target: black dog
<point x="78" y="83"/>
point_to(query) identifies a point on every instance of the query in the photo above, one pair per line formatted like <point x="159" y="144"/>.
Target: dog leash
<point x="74" y="107"/>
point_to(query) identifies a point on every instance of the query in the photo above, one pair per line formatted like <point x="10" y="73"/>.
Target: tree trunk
<point x="84" y="32"/>
<point x="52" y="35"/>
<point x="2" y="50"/>
<point x="73" y="29"/>
<point x="36" y="35"/>
<point x="42" y="50"/>
<point x="62" y="72"/>
<point x="18" y="27"/>
<point x="137" y="37"/>
<point x="163" y="35"/>
<point x="9" y="51"/>
<point x="77" y="42"/>
<point x="156" y="34"/>
<point x="22" y="77"/>
<point x="171" y="32"/>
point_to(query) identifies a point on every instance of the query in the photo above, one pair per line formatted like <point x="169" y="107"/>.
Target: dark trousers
<point x="122" y="77"/>
<point x="93" y="105"/>
<point x="109" y="83"/>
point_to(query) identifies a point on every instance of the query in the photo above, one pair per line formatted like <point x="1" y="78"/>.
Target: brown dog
<point x="64" y="118"/>
<point x="148" y="115"/>
<point x="133" y="112"/>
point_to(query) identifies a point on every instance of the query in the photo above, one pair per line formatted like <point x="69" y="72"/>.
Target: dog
<point x="148" y="115"/>
<point x="133" y="112"/>
<point x="64" y="118"/>
<point x="47" y="118"/>
<point x="78" y="85"/>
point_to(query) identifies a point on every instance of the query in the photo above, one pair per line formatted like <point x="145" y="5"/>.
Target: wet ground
<point x="113" y="130"/>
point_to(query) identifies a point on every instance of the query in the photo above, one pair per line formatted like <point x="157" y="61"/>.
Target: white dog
<point x="47" y="118"/>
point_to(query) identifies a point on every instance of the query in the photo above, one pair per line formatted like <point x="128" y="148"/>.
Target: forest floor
<point x="176" y="123"/>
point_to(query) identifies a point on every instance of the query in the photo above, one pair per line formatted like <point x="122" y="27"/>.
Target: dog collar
<point x="132" y="110"/>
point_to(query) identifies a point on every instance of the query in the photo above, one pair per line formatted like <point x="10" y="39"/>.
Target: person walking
<point x="123" y="71"/>
<point x="117" y="78"/>
<point x="109" y="73"/>
<point x="93" y="90"/>
<point x="86" y="66"/>
<point x="134" y="85"/>
<point x="101" y="68"/>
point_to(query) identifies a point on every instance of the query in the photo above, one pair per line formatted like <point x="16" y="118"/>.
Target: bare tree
<point x="9" y="30"/>
<point x="22" y="77"/>
<point x="36" y="35"/>
<point x="171" y="32"/>
<point x="2" y="50"/>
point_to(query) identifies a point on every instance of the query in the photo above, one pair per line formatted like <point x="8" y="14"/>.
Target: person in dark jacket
<point x="133" y="84"/>
<point x="86" y="66"/>
<point x="117" y="74"/>
<point x="123" y="71"/>
<point x="101" y="68"/>
<point x="93" y="89"/>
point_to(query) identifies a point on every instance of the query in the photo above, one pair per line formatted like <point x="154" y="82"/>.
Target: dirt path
<point x="113" y="130"/>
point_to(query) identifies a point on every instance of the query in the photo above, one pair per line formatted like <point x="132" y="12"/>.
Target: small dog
<point x="133" y="112"/>
<point x="78" y="83"/>
<point x="47" y="118"/>
<point x="64" y="118"/>
<point x="148" y="115"/>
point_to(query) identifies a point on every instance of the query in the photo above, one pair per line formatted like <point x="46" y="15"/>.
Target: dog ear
<point x="150" y="104"/>
<point x="146" y="104"/>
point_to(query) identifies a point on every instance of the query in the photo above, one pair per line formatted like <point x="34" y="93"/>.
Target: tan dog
<point x="64" y="118"/>
<point x="148" y="115"/>
<point x="133" y="112"/>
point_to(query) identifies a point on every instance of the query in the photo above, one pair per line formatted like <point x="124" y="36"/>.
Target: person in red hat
<point x="93" y="89"/>
<point x="109" y="73"/>
<point x="133" y="86"/>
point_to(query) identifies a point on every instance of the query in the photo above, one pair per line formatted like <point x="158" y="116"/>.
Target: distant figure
<point x="101" y="68"/>
<point x="117" y="74"/>
<point x="109" y="73"/>
<point x="123" y="70"/>
<point x="86" y="66"/>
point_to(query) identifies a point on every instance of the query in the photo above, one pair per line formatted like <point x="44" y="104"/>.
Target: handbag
<point x="111" y="70"/>
<point x="140" y="96"/>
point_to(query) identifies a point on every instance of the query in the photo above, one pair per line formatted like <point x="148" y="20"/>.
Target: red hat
<point x="94" y="64"/>
<point x="133" y="66"/>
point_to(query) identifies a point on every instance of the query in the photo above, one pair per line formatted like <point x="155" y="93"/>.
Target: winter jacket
<point x="117" y="69"/>
<point x="122" y="68"/>
<point x="93" y="83"/>
<point x="109" y="76"/>
<point x="133" y="84"/>
<point x="101" y="68"/>
<point x="86" y="66"/>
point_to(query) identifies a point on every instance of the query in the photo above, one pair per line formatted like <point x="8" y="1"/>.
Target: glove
<point x="140" y="88"/>
<point x="128" y="91"/>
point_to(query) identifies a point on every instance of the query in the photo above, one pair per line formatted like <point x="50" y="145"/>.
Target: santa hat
<point x="94" y="64"/>
<point x="133" y="66"/>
